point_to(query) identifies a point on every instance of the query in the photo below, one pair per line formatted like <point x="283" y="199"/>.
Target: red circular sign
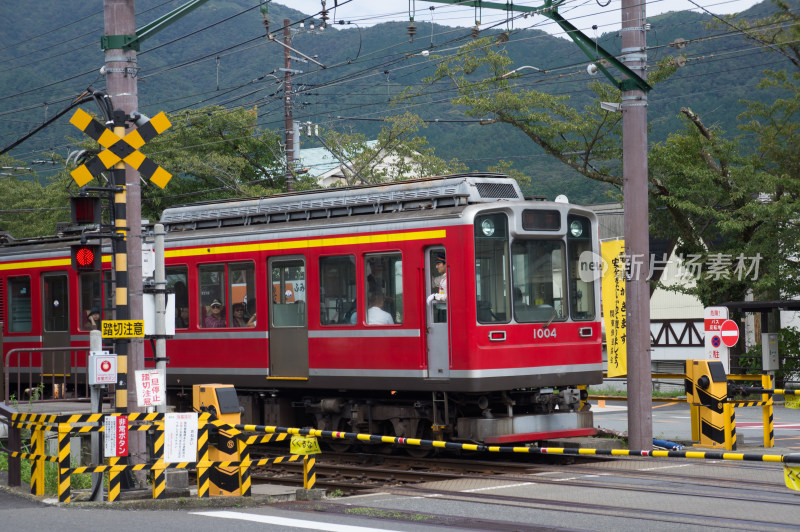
<point x="105" y="365"/>
<point x="729" y="332"/>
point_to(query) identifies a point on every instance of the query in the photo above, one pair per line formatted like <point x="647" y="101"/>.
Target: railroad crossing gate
<point x="118" y="149"/>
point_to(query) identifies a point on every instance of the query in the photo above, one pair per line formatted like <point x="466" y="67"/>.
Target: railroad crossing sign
<point x="729" y="332"/>
<point x="120" y="149"/>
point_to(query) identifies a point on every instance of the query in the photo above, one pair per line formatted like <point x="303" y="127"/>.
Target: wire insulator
<point x="412" y="30"/>
<point x="475" y="32"/>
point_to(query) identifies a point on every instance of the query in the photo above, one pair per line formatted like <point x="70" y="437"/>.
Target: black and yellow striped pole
<point x="767" y="413"/>
<point x="203" y="471"/>
<point x="37" y="464"/>
<point x="309" y="471"/>
<point x="244" y="470"/>
<point x="159" y="471"/>
<point x="64" y="430"/>
<point x="114" y="479"/>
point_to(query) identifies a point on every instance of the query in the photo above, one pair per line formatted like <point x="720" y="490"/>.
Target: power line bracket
<point x="592" y="50"/>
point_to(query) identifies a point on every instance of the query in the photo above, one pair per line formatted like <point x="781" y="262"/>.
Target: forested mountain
<point x="220" y="55"/>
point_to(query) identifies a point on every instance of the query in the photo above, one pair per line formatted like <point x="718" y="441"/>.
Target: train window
<point x="337" y="290"/>
<point x="288" y="293"/>
<point x="177" y="285"/>
<point x="537" y="270"/>
<point x="212" y="295"/>
<point x="19" y="304"/>
<point x="227" y="290"/>
<point x="91" y="301"/>
<point x="491" y="268"/>
<point x="242" y="294"/>
<point x="384" y="288"/>
<point x="582" y="276"/>
<point x="56" y="303"/>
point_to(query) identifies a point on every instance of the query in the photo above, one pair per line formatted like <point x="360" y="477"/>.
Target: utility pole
<point x="287" y="105"/>
<point x="121" y="86"/>
<point x="637" y="235"/>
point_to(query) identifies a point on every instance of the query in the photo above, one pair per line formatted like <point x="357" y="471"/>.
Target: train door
<point x="437" y="327"/>
<point x="55" y="324"/>
<point x="288" y="324"/>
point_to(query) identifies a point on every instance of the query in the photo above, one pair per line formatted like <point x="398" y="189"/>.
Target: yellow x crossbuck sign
<point x="120" y="149"/>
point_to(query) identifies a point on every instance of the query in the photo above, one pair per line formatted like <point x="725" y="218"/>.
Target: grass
<point x="77" y="481"/>
<point x="613" y="391"/>
<point x="389" y="514"/>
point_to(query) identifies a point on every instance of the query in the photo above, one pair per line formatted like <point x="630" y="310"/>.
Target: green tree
<point x="407" y="154"/>
<point x="29" y="208"/>
<point x="214" y="153"/>
<point x="705" y="195"/>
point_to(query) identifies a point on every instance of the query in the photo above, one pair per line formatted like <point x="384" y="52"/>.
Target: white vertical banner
<point x="151" y="385"/>
<point x="110" y="437"/>
<point x="180" y="437"/>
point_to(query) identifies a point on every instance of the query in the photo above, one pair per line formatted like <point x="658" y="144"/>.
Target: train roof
<point x="398" y="196"/>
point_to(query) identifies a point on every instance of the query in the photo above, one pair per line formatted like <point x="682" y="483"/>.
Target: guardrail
<point x="56" y="367"/>
<point x="66" y="425"/>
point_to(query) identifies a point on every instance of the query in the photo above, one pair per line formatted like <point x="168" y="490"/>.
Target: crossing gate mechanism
<point x="221" y="401"/>
<point x="707" y="393"/>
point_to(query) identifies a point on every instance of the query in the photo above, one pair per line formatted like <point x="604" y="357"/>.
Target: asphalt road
<point x="672" y="422"/>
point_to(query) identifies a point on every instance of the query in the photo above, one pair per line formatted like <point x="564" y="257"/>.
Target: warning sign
<point x="151" y="386"/>
<point x="304" y="445"/>
<point x="715" y="348"/>
<point x="116" y="436"/>
<point x="122" y="328"/>
<point x="180" y="437"/>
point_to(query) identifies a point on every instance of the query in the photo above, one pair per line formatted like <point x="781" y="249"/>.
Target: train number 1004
<point x="544" y="333"/>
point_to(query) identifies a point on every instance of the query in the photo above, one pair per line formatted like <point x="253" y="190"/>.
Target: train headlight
<point x="576" y="228"/>
<point x="487" y="226"/>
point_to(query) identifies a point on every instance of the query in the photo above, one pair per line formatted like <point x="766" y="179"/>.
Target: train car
<point x="440" y="307"/>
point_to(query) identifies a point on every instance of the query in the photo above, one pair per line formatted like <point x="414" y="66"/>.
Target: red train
<point x="446" y="306"/>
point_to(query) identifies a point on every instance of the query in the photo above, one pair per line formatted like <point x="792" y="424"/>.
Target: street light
<point x="522" y="68"/>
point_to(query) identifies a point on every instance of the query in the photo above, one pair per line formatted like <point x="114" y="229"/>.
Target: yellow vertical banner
<point x="613" y="289"/>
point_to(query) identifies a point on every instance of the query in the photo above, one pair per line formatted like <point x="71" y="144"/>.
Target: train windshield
<point x="537" y="270"/>
<point x="491" y="268"/>
<point x="583" y="276"/>
<point x="536" y="280"/>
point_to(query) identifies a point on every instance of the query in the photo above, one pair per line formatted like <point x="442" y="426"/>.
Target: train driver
<point x="440" y="279"/>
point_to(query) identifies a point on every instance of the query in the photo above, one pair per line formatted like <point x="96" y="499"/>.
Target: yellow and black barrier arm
<point x="478" y="447"/>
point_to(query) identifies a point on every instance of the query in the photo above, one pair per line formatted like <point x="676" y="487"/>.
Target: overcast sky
<point x="581" y="13"/>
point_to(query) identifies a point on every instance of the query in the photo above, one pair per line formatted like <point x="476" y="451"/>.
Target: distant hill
<point x="219" y="54"/>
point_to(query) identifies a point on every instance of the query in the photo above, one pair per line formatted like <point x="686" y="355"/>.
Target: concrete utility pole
<point x="121" y="86"/>
<point x="287" y="105"/>
<point x="160" y="277"/>
<point x="637" y="235"/>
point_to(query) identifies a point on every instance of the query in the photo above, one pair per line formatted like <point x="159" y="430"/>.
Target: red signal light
<point x="86" y="257"/>
<point x="85" y="210"/>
